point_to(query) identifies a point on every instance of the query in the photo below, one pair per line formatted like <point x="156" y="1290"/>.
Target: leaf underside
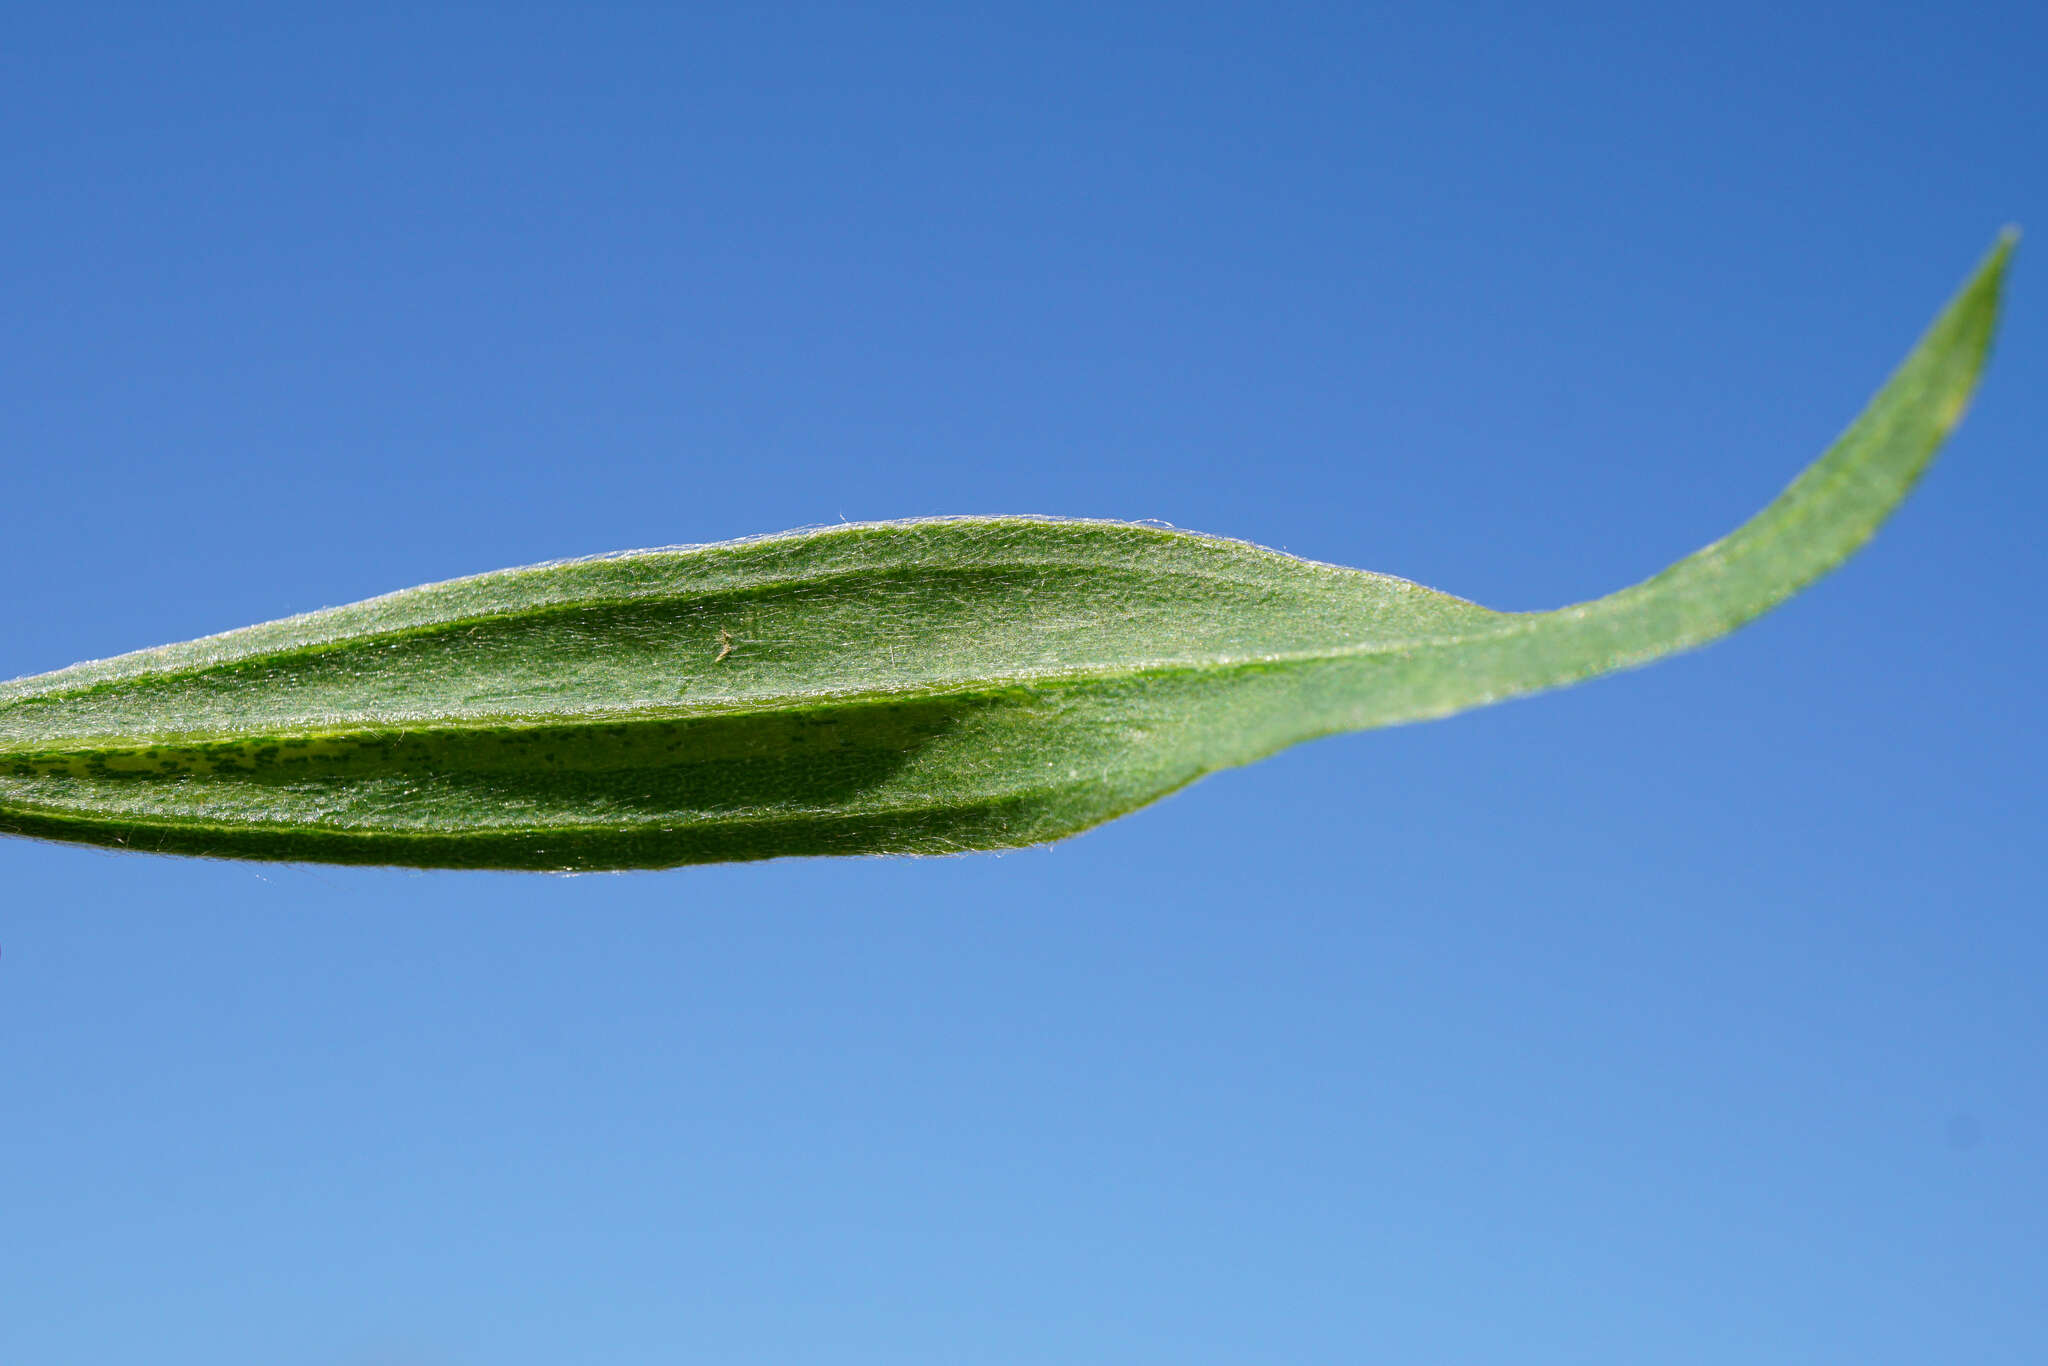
<point x="896" y="687"/>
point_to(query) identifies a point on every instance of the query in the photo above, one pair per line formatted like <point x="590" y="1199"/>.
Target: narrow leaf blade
<point x="899" y="687"/>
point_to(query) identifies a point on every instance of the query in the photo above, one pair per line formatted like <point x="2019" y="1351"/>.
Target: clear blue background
<point x="1695" y="1015"/>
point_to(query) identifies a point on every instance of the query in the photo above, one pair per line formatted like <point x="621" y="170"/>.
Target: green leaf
<point x="894" y="687"/>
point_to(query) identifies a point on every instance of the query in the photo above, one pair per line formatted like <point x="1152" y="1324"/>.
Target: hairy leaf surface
<point x="895" y="687"/>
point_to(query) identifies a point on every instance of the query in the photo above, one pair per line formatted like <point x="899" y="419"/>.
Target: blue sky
<point x="1690" y="1016"/>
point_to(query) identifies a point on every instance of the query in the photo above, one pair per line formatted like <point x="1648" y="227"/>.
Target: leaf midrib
<point x="822" y="699"/>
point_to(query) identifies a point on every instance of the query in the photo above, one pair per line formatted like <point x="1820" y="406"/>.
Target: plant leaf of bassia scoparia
<point x="894" y="687"/>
